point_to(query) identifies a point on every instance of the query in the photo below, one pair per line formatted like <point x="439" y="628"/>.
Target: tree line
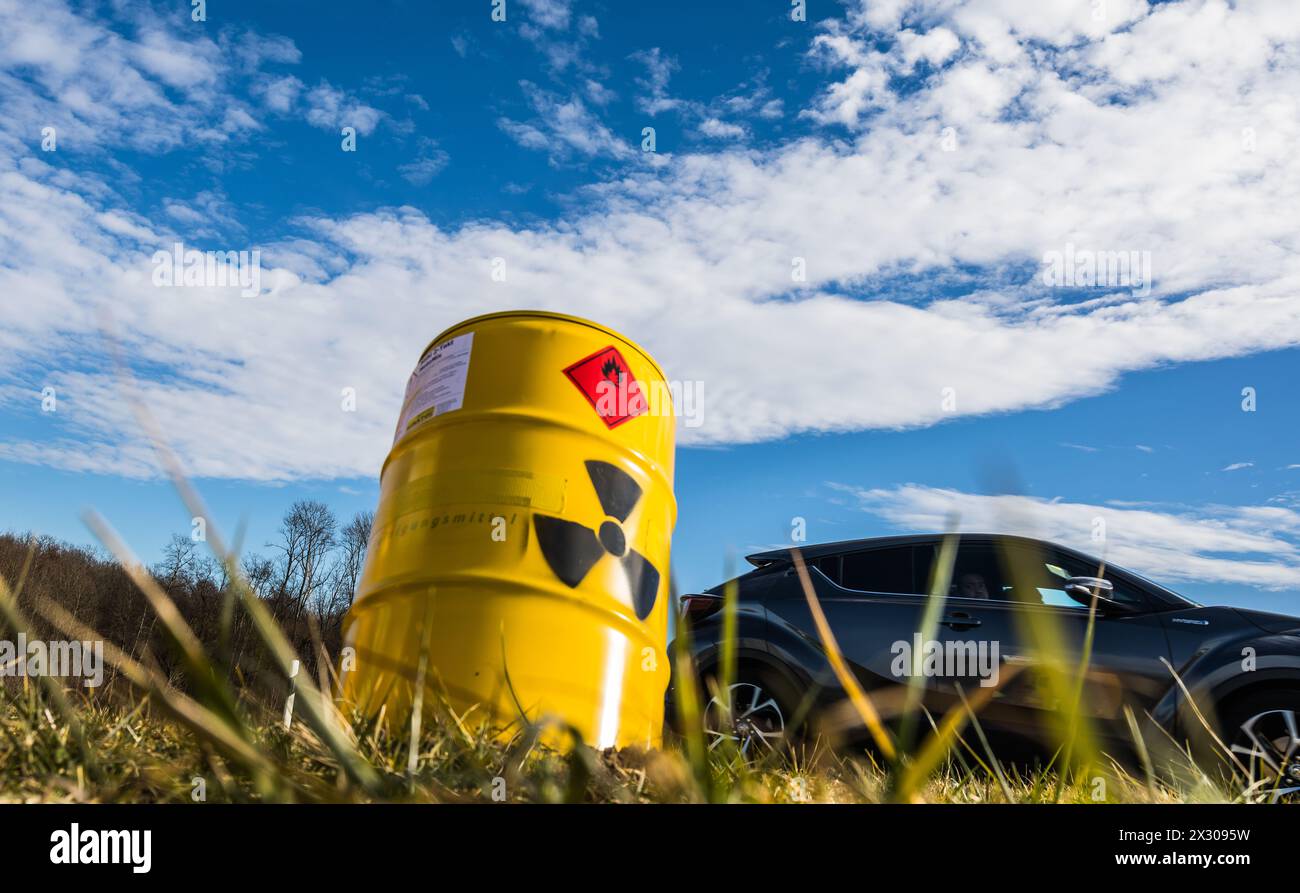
<point x="307" y="577"/>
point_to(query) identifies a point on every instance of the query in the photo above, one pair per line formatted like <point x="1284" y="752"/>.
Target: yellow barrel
<point x="519" y="555"/>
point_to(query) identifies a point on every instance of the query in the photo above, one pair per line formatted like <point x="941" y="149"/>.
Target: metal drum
<point x="518" y="564"/>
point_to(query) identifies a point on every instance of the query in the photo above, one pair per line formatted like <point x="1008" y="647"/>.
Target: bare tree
<point x="258" y="571"/>
<point x="306" y="539"/>
<point x="179" y="562"/>
<point x="347" y="574"/>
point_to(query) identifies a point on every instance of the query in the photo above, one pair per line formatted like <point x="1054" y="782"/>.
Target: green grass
<point x="135" y="755"/>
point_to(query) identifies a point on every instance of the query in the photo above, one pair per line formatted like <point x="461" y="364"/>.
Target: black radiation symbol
<point x="572" y="550"/>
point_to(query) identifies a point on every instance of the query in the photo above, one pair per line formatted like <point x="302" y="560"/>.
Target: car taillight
<point x="697" y="607"/>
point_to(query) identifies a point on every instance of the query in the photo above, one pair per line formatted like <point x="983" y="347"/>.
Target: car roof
<point x="820" y="550"/>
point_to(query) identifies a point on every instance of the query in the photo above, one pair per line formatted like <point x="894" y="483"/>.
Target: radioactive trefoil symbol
<point x="572" y="549"/>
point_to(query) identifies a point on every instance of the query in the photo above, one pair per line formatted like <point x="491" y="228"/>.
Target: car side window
<point x="1026" y="574"/>
<point x="879" y="570"/>
<point x="982" y="569"/>
<point x="923" y="562"/>
<point x="1048" y="570"/>
<point x="978" y="572"/>
<point x="830" y="566"/>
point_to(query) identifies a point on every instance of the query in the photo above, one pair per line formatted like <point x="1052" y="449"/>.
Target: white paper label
<point x="437" y="385"/>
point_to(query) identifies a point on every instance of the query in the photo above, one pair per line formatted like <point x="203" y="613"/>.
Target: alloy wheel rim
<point x="752" y="720"/>
<point x="1269" y="743"/>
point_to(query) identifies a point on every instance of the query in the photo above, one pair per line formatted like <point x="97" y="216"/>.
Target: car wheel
<point x="750" y="716"/>
<point x="1265" y="731"/>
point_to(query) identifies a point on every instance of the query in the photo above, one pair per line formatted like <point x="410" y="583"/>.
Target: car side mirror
<point x="1084" y="589"/>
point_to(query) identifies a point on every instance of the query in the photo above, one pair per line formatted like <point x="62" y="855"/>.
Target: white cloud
<point x="1238" y="466"/>
<point x="168" y="87"/>
<point x="331" y="109"/>
<point x="526" y="135"/>
<point x="548" y="13"/>
<point x="750" y="98"/>
<point x="660" y="68"/>
<point x="208" y="215"/>
<point x="279" y="93"/>
<point x="94" y="86"/>
<point x="598" y="93"/>
<point x="174" y="64"/>
<point x="427" y="164"/>
<point x="546" y="25"/>
<point x="934" y="46"/>
<point x="255" y="50"/>
<point x="563" y="128"/>
<point x="723" y="130"/>
<point x="1248" y="545"/>
<point x="694" y="258"/>
<point x="864" y="90"/>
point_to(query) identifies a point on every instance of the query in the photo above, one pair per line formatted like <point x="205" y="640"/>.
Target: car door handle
<point x="960" y="620"/>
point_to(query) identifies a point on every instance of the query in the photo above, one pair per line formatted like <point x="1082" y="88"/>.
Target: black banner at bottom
<point x="137" y="844"/>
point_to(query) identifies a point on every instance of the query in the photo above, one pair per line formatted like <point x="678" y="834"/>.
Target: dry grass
<point x="135" y="755"/>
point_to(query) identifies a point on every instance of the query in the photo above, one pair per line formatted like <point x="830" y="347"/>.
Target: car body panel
<point x="1220" y="652"/>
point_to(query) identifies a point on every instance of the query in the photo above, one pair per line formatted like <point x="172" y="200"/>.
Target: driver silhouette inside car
<point x="971" y="585"/>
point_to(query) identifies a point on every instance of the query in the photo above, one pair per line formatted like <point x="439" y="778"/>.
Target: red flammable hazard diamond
<point x="608" y="384"/>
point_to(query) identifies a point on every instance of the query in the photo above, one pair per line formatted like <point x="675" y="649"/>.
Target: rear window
<point x="829" y="565"/>
<point x="879" y="570"/>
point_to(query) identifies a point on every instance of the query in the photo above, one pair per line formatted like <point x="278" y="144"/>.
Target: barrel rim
<point x="546" y="314"/>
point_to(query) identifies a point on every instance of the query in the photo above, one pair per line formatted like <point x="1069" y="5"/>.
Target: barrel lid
<point x="546" y="314"/>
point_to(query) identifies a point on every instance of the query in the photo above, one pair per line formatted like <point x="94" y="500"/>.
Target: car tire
<point x="761" y="719"/>
<point x="1263" y="731"/>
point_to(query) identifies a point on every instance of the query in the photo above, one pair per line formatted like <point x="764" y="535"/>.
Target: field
<point x="205" y="733"/>
<point x="70" y="753"/>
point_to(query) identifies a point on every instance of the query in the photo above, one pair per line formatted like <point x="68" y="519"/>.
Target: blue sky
<point x="920" y="159"/>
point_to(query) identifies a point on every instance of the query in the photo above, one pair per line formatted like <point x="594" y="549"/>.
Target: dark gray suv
<point x="1241" y="666"/>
